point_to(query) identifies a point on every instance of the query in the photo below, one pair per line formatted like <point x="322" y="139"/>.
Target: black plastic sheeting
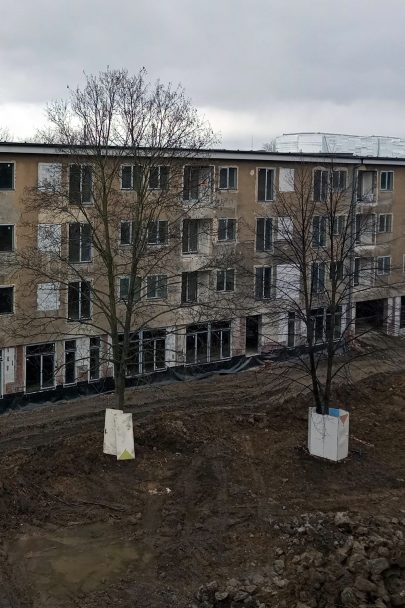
<point x="170" y="375"/>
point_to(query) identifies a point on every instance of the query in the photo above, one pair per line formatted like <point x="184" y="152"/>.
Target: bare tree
<point x="5" y="134"/>
<point x="114" y="210"/>
<point x="317" y="235"/>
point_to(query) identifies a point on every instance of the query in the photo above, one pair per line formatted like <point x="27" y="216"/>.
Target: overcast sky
<point x="255" y="68"/>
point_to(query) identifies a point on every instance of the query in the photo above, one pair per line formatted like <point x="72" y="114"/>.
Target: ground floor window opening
<point x="206" y="342"/>
<point x="39" y="367"/>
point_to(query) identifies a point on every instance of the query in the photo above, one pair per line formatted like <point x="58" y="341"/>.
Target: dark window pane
<point x="220" y="280"/>
<point x="223" y="178"/>
<point x="32" y="373"/>
<point x="186" y="183"/>
<point x="164" y="177"/>
<point x="258" y="283"/>
<point x="232" y="178"/>
<point x="126" y="177"/>
<point x="269" y="185"/>
<point x="6" y="176"/>
<point x="6" y="300"/>
<point x="154" y="178"/>
<point x="70" y="366"/>
<point x="231" y="230"/>
<point x="73" y="300"/>
<point x="124" y="288"/>
<point x="85" y="300"/>
<point x="202" y="344"/>
<point x="226" y="343"/>
<point x="85" y="243"/>
<point x="230" y="280"/>
<point x="190" y="348"/>
<point x="261" y="192"/>
<point x="268" y="236"/>
<point x="74" y="242"/>
<point x="260" y="234"/>
<point x="162" y="232"/>
<point x="48" y="371"/>
<point x="6" y="238"/>
<point x="152" y="232"/>
<point x="86" y="184"/>
<point x="125" y="233"/>
<point x="74" y="184"/>
<point x="267" y="282"/>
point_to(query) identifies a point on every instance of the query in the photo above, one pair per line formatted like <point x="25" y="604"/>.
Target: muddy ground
<point x="222" y="492"/>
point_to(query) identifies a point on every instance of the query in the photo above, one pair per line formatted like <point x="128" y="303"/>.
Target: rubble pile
<point x="323" y="561"/>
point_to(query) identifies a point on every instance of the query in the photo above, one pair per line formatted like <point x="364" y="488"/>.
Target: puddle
<point x="76" y="559"/>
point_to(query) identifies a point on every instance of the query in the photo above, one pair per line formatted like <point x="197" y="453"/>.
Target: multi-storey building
<point x="239" y="220"/>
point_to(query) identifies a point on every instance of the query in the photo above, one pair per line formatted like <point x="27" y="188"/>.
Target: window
<point x="153" y="350"/>
<point x="49" y="177"/>
<point x="265" y="185"/>
<point x="317" y="324"/>
<point x="156" y="287"/>
<point x="318" y="231"/>
<point x="385" y="222"/>
<point x="159" y="178"/>
<point x="80" y="184"/>
<point x="334" y="322"/>
<point x="157" y="232"/>
<point x="263" y="282"/>
<point x="130" y="177"/>
<point x="79" y="243"/>
<point x="79" y="301"/>
<point x="291" y="329"/>
<point x="125" y="286"/>
<point x="127" y="232"/>
<point x="39" y="367"/>
<point x="228" y="178"/>
<point x="49" y="238"/>
<point x="190" y="236"/>
<point x="321" y="179"/>
<point x="133" y="355"/>
<point x="387" y="181"/>
<point x="226" y="229"/>
<point x="47" y="296"/>
<point x="6" y="176"/>
<point x="338" y="181"/>
<point x="365" y="228"/>
<point x="339" y="225"/>
<point x="189" y="287"/>
<point x="336" y="271"/>
<point x="384" y="265"/>
<point x="366" y="182"/>
<point x="6" y="300"/>
<point x="207" y="342"/>
<point x="70" y="361"/>
<point x="6" y="238"/>
<point x="264" y="234"/>
<point x="226" y="280"/>
<point x="318" y="276"/>
<point x="94" y="358"/>
<point x="197" y="183"/>
<point x="356" y="273"/>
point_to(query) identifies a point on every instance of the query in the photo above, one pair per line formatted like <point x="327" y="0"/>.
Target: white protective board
<point x="288" y="282"/>
<point x="110" y="442"/>
<point x="124" y="434"/>
<point x="49" y="176"/>
<point x="9" y="365"/>
<point x="328" y="436"/>
<point x="286" y="180"/>
<point x="48" y="296"/>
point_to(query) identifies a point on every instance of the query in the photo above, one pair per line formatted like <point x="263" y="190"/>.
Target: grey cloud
<point x="246" y="56"/>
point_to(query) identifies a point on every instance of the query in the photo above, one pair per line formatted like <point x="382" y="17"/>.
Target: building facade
<point x="225" y="285"/>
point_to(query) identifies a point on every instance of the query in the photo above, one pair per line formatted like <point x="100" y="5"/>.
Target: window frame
<point x="225" y="280"/>
<point x="273" y="193"/>
<point x="12" y="311"/>
<point x="386" y="189"/>
<point x="157" y="277"/>
<point x="41" y="355"/>
<point x="13" y="163"/>
<point x="185" y="287"/>
<point x="88" y="203"/>
<point x="80" y="318"/>
<point x="159" y="180"/>
<point x="267" y="245"/>
<point x="227" y="187"/>
<point x="321" y="231"/>
<point x="13" y="240"/>
<point x="390" y="222"/>
<point x="80" y="243"/>
<point x="383" y="273"/>
<point x="158" y="242"/>
<point x="228" y="221"/>
<point x="190" y="222"/>
<point x="263" y="269"/>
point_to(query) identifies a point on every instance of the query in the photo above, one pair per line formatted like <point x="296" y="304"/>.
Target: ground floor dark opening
<point x="370" y="314"/>
<point x="252" y="334"/>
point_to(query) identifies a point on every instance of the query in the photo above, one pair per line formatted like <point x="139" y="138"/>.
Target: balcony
<point x="367" y="187"/>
